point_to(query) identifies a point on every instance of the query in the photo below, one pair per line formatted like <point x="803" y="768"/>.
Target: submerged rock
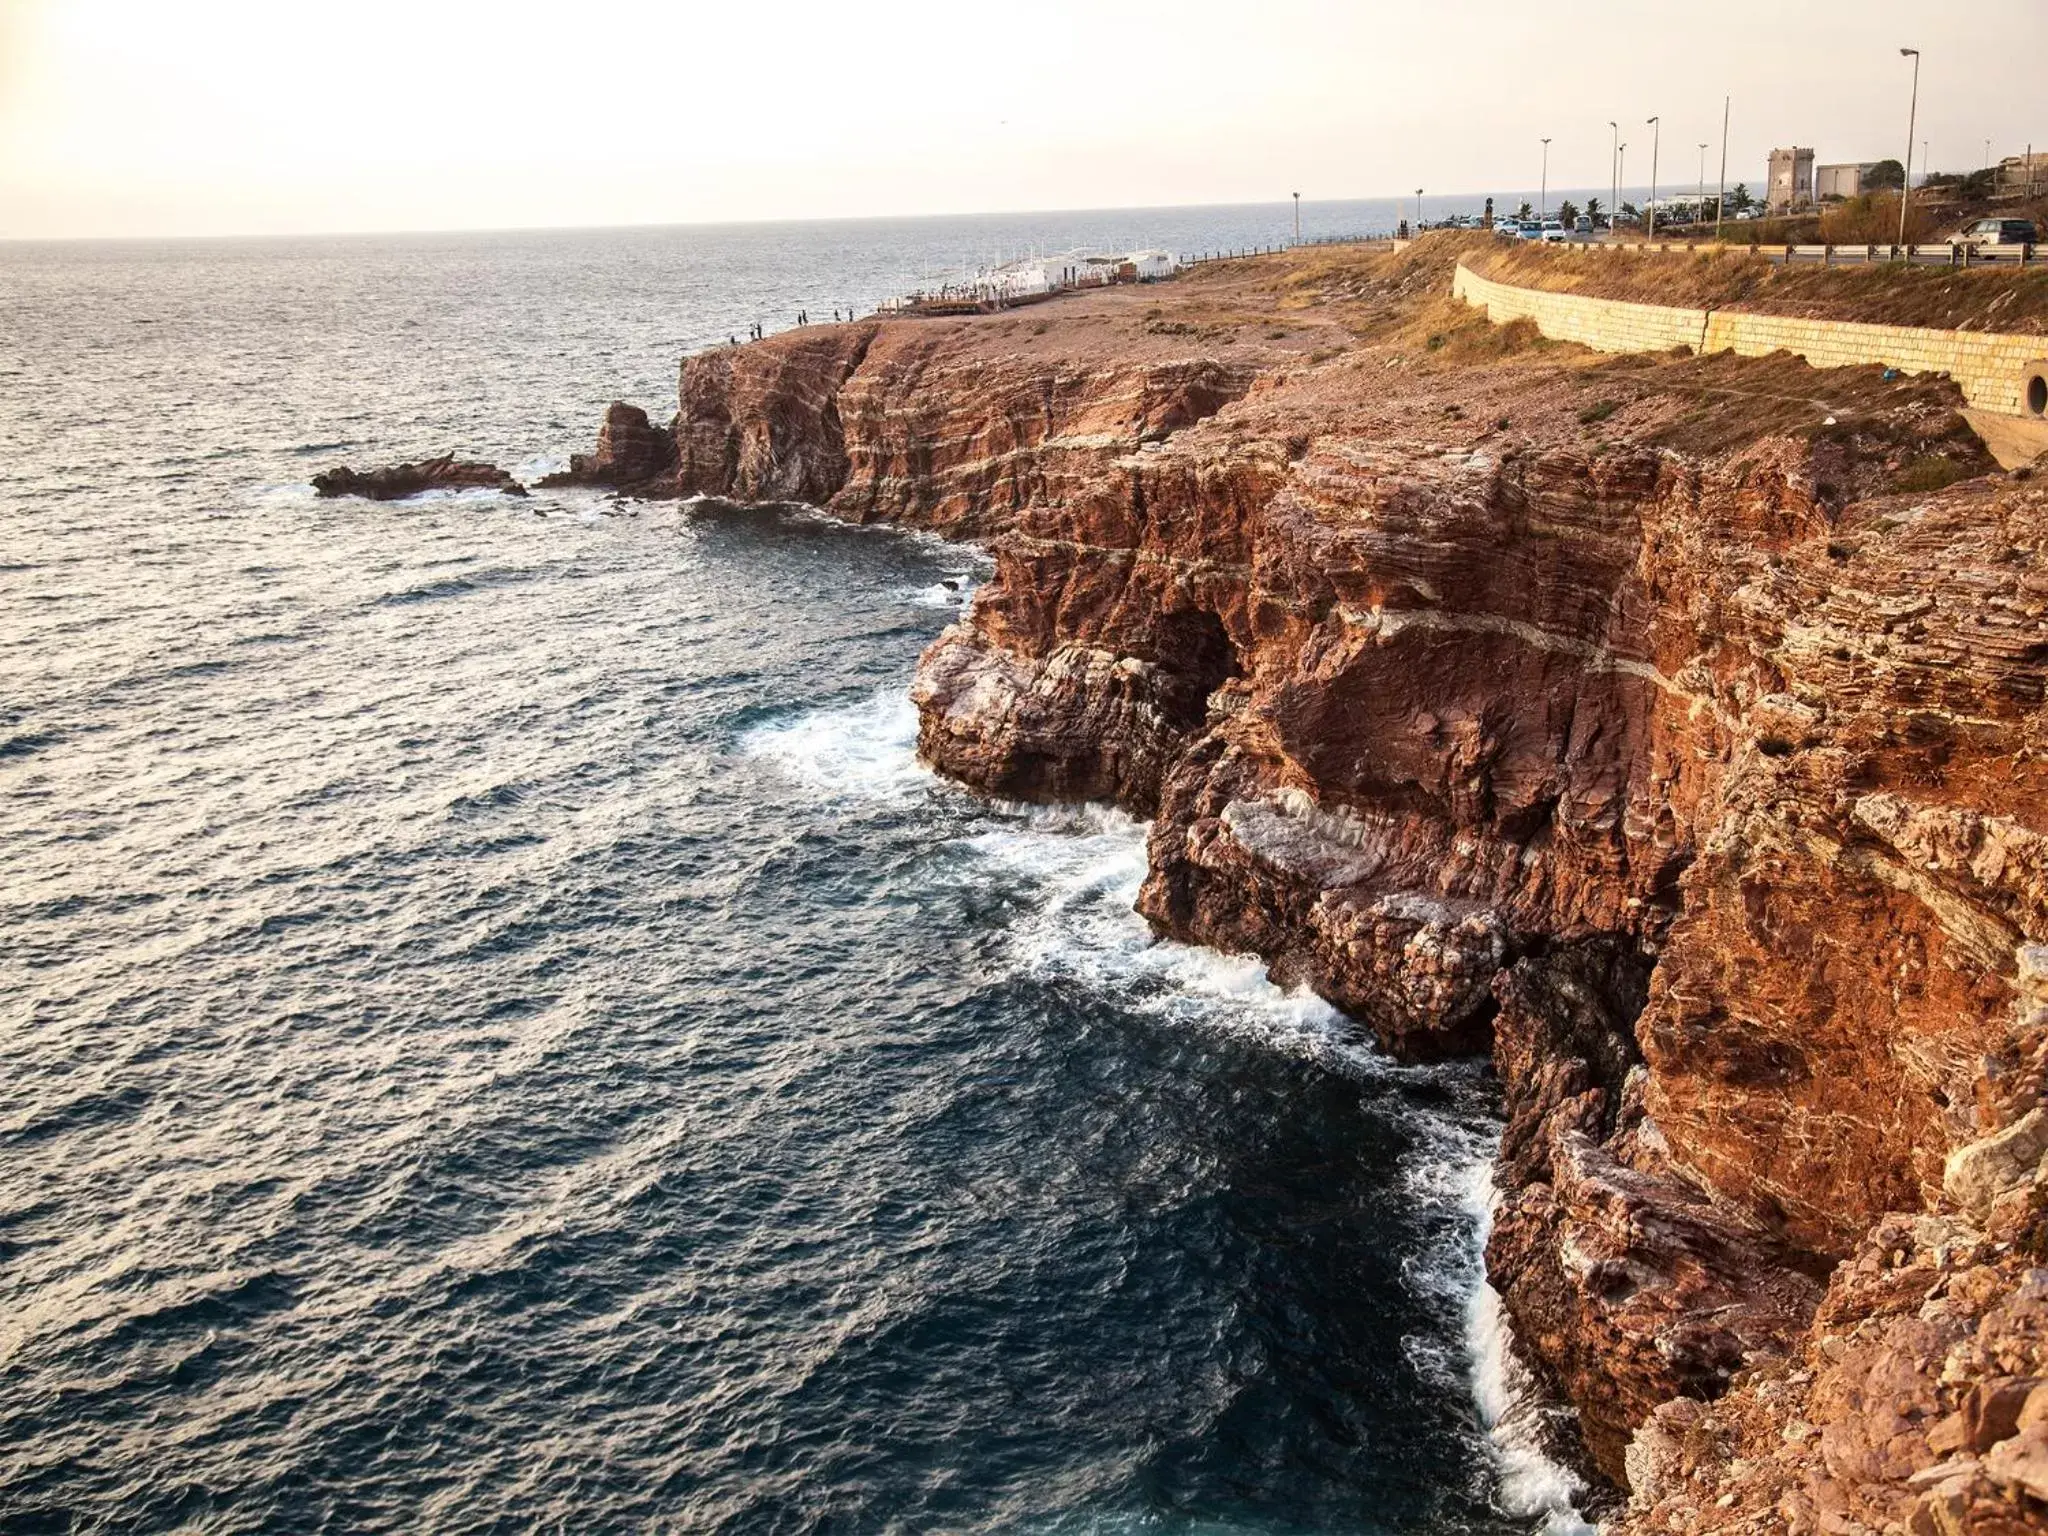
<point x="395" y="482"/>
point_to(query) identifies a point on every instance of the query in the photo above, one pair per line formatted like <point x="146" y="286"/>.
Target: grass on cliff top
<point x="1978" y="299"/>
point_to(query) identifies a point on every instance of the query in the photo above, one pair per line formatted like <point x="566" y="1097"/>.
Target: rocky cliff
<point x="1673" y="729"/>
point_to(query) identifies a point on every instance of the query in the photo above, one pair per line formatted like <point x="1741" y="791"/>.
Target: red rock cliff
<point x="1626" y="718"/>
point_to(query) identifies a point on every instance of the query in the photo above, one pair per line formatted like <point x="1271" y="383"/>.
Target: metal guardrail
<point x="1942" y="255"/>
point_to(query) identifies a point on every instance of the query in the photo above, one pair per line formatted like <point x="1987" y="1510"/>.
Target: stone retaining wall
<point x="1989" y="367"/>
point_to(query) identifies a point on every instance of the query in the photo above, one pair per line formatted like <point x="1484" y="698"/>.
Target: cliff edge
<point x="1672" y="728"/>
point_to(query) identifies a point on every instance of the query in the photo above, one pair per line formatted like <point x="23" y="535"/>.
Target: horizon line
<point x="1285" y="204"/>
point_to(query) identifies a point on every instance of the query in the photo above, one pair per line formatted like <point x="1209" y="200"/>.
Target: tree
<point x="1523" y="211"/>
<point x="1739" y="201"/>
<point x="1631" y="211"/>
<point x="1884" y="176"/>
<point x="1594" y="210"/>
<point x="1567" y="213"/>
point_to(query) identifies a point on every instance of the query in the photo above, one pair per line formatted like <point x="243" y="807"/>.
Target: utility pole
<point x="1721" y="197"/>
<point x="1650" y="211"/>
<point x="1703" y="181"/>
<point x="1418" y="213"/>
<point x="1297" y="218"/>
<point x="1543" y="197"/>
<point x="1620" y="174"/>
<point x="1912" y="122"/>
<point x="1614" y="166"/>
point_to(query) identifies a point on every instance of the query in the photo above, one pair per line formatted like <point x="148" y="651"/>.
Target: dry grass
<point x="1874" y="220"/>
<point x="1982" y="298"/>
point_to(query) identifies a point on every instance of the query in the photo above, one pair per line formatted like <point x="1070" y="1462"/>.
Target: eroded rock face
<point x="395" y="482"/>
<point x="632" y="454"/>
<point x="1706" y="788"/>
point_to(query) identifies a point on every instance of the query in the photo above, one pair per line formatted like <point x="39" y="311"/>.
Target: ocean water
<point x="501" y="1034"/>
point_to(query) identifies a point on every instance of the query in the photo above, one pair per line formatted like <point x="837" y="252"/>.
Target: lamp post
<point x="1418" y="213"/>
<point x="1650" y="209"/>
<point x="1620" y="174"/>
<point x="1721" y="197"/>
<point x="1912" y="122"/>
<point x="1297" y="218"/>
<point x="1703" y="180"/>
<point x="1614" y="166"/>
<point x="1543" y="197"/>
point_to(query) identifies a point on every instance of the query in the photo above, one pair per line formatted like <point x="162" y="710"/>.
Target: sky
<point x="174" y="117"/>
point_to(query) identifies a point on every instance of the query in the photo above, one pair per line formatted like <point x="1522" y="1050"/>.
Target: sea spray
<point x="1532" y="1485"/>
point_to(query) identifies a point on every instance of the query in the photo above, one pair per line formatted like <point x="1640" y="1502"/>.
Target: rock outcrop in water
<point x="395" y="482"/>
<point x="1632" y="719"/>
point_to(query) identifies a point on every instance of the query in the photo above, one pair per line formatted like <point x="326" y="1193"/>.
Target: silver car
<point x="1997" y="232"/>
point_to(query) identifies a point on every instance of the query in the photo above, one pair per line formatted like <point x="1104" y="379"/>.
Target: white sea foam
<point x="953" y="593"/>
<point x="1083" y="866"/>
<point x="1531" y="1485"/>
<point x="864" y="751"/>
<point x="1451" y="1173"/>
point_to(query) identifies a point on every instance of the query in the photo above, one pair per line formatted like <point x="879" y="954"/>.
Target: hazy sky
<point x="217" y="116"/>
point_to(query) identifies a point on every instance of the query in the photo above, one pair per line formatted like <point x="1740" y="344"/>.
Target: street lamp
<point x="1912" y="121"/>
<point x="1620" y="175"/>
<point x="1721" y="195"/>
<point x="1418" y="212"/>
<point x="1297" y="218"/>
<point x="1614" y="165"/>
<point x="1703" y="180"/>
<point x="1650" y="210"/>
<point x="1543" y="197"/>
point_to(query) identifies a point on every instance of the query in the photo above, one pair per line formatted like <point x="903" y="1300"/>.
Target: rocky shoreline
<point x="1637" y="720"/>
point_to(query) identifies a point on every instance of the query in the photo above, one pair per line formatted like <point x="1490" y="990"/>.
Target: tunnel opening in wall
<point x="2034" y="391"/>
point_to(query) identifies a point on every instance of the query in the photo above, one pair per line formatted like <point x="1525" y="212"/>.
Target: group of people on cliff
<point x="755" y="332"/>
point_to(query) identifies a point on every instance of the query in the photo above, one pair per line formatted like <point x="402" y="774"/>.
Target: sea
<point x="500" y="1033"/>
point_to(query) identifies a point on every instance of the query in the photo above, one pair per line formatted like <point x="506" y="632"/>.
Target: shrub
<point x="1873" y="219"/>
<point x="1931" y="473"/>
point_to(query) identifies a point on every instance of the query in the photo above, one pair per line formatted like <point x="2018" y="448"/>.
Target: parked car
<point x="1582" y="225"/>
<point x="1551" y="230"/>
<point x="1997" y="232"/>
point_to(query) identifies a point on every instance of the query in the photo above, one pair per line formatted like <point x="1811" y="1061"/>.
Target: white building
<point x="1153" y="264"/>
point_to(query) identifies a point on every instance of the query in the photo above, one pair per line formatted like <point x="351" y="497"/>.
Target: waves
<point x="503" y="1033"/>
<point x="1075" y="874"/>
<point x="854" y="753"/>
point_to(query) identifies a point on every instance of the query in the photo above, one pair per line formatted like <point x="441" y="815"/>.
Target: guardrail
<point x="1942" y="255"/>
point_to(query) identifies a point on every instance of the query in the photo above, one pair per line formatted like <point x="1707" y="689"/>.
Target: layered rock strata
<point x="1633" y="720"/>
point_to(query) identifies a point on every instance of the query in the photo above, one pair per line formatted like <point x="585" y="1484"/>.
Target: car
<point x="1550" y="230"/>
<point x="1582" y="225"/>
<point x="1997" y="232"/>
